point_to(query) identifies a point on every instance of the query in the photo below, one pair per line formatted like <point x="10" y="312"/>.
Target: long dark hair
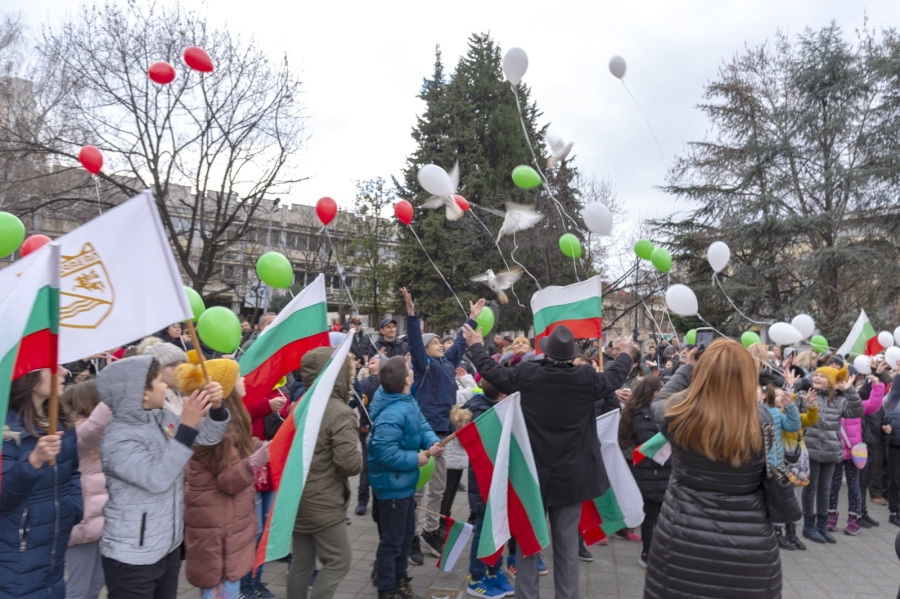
<point x="239" y="435"/>
<point x="20" y="401"/>
<point x="641" y="397"/>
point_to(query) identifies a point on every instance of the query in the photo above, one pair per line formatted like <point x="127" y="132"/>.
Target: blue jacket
<point x="33" y="532"/>
<point x="786" y="421"/>
<point x="399" y="432"/>
<point x="434" y="385"/>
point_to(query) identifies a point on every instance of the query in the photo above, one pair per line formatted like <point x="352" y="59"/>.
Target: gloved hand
<point x="260" y="457"/>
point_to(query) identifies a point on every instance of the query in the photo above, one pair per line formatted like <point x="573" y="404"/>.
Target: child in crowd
<point x="144" y="452"/>
<point x="399" y="434"/>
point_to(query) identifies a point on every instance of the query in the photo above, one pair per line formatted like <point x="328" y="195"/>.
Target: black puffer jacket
<point x="713" y="537"/>
<point x="651" y="478"/>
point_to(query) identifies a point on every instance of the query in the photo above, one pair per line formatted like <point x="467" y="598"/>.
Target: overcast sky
<point x="362" y="64"/>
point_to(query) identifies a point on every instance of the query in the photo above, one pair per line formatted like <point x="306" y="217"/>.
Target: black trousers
<point x="396" y="527"/>
<point x="363" y="492"/>
<point x="453" y="479"/>
<point x="893" y="490"/>
<point x="878" y="482"/>
<point x="154" y="581"/>
<point x="651" y="515"/>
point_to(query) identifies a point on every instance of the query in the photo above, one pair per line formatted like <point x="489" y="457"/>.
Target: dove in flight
<point x="500" y="281"/>
<point x="454" y="212"/>
<point x="558" y="150"/>
<point x="518" y="217"/>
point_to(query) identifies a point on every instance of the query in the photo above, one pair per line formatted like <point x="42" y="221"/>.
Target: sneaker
<point x="642" y="562"/>
<point x="511" y="566"/>
<point x="500" y="582"/>
<point x="415" y="552"/>
<point x="362" y="506"/>
<point x="434" y="544"/>
<point x="867" y="522"/>
<point x="831" y="523"/>
<point x="312" y="579"/>
<point x="482" y="588"/>
<point x="542" y="569"/>
<point x="264" y="593"/>
<point x="853" y="526"/>
<point x="247" y="592"/>
<point x="894" y="519"/>
<point x="461" y="488"/>
<point x="583" y="553"/>
<point x="628" y="535"/>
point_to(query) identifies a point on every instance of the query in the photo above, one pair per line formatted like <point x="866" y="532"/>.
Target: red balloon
<point x="198" y="59"/>
<point x="326" y="209"/>
<point x="404" y="211"/>
<point x="33" y="243"/>
<point x="462" y="203"/>
<point x="161" y="72"/>
<point x="91" y="159"/>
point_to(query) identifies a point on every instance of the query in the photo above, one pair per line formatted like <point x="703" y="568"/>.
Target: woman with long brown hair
<point x="714" y="537"/>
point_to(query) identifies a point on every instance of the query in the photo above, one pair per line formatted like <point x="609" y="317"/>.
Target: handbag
<point x="859" y="453"/>
<point x="778" y="492"/>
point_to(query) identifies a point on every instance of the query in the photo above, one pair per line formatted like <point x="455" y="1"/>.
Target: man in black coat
<point x="558" y="404"/>
<point x="387" y="344"/>
<point x="361" y="347"/>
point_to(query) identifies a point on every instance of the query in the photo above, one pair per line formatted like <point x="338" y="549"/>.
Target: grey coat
<point x="823" y="439"/>
<point x="144" y="466"/>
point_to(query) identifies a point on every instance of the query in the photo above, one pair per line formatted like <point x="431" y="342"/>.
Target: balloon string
<point x="650" y="313"/>
<point x="641" y="110"/>
<point x="505" y="263"/>
<point x="438" y="271"/>
<point x="340" y="271"/>
<point x="716" y="281"/>
<point x="512" y="255"/>
<point x="703" y="320"/>
<point x="668" y="315"/>
<point x="575" y="267"/>
<point x="97" y="187"/>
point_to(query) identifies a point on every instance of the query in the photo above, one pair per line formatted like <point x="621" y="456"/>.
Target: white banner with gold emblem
<point x="118" y="280"/>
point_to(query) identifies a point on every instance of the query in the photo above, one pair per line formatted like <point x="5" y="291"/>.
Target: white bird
<point x="518" y="217"/>
<point x="500" y="281"/>
<point x="454" y="212"/>
<point x="559" y="150"/>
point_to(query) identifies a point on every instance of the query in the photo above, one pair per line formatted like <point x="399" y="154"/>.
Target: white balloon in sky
<point x="885" y="339"/>
<point x="681" y="300"/>
<point x="781" y="333"/>
<point x="862" y="366"/>
<point x="892" y="356"/>
<point x="598" y="219"/>
<point x="805" y="324"/>
<point x="718" y="255"/>
<point x="435" y="180"/>
<point x="617" y="66"/>
<point x="515" y="63"/>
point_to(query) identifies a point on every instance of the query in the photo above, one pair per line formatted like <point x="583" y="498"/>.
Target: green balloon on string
<point x="526" y="177"/>
<point x="12" y="233"/>
<point x="570" y="245"/>
<point x="748" y="338"/>
<point x="691" y="337"/>
<point x="819" y="344"/>
<point x="485" y="321"/>
<point x="643" y="249"/>
<point x="196" y="303"/>
<point x="275" y="270"/>
<point x="425" y="473"/>
<point x="220" y="329"/>
<point x="661" y="259"/>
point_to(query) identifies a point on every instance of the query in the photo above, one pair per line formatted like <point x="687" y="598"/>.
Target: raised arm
<point x="458" y="350"/>
<point x="505" y="379"/>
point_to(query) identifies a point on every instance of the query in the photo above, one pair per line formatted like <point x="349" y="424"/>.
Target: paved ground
<point x="864" y="566"/>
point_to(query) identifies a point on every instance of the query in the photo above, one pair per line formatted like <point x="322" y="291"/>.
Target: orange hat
<point x="834" y="375"/>
<point x="222" y="370"/>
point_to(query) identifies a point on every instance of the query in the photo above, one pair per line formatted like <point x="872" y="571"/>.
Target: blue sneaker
<point x="542" y="569"/>
<point x="483" y="588"/>
<point x="500" y="582"/>
<point x="511" y="566"/>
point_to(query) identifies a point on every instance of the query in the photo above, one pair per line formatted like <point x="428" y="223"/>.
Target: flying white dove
<point x="518" y="217"/>
<point x="558" y="150"/>
<point x="443" y="186"/>
<point x="500" y="281"/>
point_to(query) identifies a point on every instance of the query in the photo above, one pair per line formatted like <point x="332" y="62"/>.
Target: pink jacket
<point x="853" y="426"/>
<point x="93" y="481"/>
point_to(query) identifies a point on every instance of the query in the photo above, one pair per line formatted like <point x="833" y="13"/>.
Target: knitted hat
<point x="222" y="370"/>
<point x="427" y="337"/>
<point x="834" y="375"/>
<point x="165" y="353"/>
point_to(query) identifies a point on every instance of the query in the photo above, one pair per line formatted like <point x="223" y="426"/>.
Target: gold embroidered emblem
<point x="86" y="296"/>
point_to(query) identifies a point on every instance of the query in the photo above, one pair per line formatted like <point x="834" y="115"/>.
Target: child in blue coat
<point x="399" y="434"/>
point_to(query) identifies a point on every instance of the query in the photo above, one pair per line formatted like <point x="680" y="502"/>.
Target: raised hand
<point x="410" y="305"/>
<point x="195" y="408"/>
<point x="472" y="336"/>
<point x="476" y="308"/>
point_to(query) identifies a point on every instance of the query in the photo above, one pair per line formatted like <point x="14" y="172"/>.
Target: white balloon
<point x="435" y="180"/>
<point x="885" y="339"/>
<point x="861" y="364"/>
<point x="718" y="255"/>
<point x="897" y="335"/>
<point x="598" y="219"/>
<point x="892" y="356"/>
<point x="617" y="66"/>
<point x="781" y="333"/>
<point x="681" y="300"/>
<point x="515" y="63"/>
<point x="805" y="324"/>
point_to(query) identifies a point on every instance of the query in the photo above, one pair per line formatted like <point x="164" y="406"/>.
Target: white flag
<point x="118" y="280"/>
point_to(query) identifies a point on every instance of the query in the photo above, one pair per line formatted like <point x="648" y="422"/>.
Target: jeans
<point x="651" y="515"/>
<point x="477" y="568"/>
<point x="396" y="527"/>
<point x="363" y="491"/>
<point x="227" y="589"/>
<point x="855" y="502"/>
<point x="264" y="501"/>
<point x="815" y="495"/>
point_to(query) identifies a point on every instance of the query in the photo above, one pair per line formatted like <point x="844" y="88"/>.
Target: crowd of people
<point x="155" y="469"/>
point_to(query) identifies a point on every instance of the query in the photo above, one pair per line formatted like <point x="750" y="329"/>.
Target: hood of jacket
<point x="478" y="404"/>
<point x="312" y="364"/>
<point x="121" y="387"/>
<point x="383" y="399"/>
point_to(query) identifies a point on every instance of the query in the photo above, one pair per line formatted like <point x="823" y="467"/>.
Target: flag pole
<point x="431" y="512"/>
<point x="196" y="341"/>
<point x="53" y="407"/>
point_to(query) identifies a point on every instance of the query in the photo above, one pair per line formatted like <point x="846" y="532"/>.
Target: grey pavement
<point x="864" y="566"/>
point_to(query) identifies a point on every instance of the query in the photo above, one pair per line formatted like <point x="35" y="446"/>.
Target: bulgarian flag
<point x="500" y="454"/>
<point x="578" y="306"/>
<point x="290" y="455"/>
<point x="455" y="540"/>
<point x="301" y="326"/>
<point x="657" y="448"/>
<point x="621" y="504"/>
<point x="862" y="340"/>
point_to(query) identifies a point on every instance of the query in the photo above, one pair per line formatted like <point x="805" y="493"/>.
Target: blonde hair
<point x="805" y="359"/>
<point x="760" y="352"/>
<point x="717" y="415"/>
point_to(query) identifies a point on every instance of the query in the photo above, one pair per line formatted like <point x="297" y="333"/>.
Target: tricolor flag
<point x="578" y="306"/>
<point x="455" y="540"/>
<point x="657" y="448"/>
<point x="290" y="455"/>
<point x="301" y="326"/>
<point x="500" y="454"/>
<point x="621" y="505"/>
<point x="862" y="340"/>
<point x="29" y="320"/>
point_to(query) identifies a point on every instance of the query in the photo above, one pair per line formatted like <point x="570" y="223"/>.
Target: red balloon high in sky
<point x="326" y="209"/>
<point x="462" y="203"/>
<point x="91" y="159"/>
<point x="198" y="59"/>
<point x="161" y="72"/>
<point x="404" y="211"/>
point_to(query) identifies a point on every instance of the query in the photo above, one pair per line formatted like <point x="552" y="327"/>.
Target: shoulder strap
<point x="846" y="438"/>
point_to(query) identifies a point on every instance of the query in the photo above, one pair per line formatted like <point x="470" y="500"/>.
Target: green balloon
<point x="691" y="337"/>
<point x="748" y="338"/>
<point x="570" y="245"/>
<point x="275" y="270"/>
<point x="425" y="473"/>
<point x="661" y="259"/>
<point x="485" y="320"/>
<point x="819" y="344"/>
<point x="220" y="329"/>
<point x="526" y="177"/>
<point x="643" y="249"/>
<point x="196" y="302"/>
<point x="12" y="233"/>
